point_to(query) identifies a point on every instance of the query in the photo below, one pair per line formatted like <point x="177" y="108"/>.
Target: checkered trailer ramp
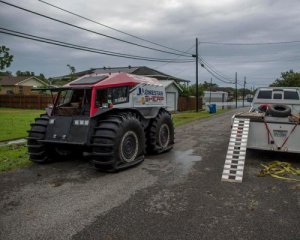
<point x="236" y="153"/>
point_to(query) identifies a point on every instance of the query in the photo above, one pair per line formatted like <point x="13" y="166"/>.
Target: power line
<point x="159" y="66"/>
<point x="91" y="31"/>
<point x="215" y="73"/>
<point x="83" y="48"/>
<point x="246" y="44"/>
<point x="215" y="70"/>
<point x="109" y="27"/>
<point x="216" y="76"/>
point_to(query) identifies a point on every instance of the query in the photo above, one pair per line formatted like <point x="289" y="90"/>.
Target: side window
<point x="264" y="94"/>
<point x="291" y="95"/>
<point x="115" y="95"/>
<point x="119" y="95"/>
<point x="101" y="99"/>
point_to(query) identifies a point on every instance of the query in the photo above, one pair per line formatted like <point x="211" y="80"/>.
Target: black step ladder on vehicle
<point x="236" y="153"/>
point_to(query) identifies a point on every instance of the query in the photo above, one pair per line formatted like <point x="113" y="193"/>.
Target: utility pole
<point x="197" y="90"/>
<point x="210" y="90"/>
<point x="235" y="89"/>
<point x="244" y="91"/>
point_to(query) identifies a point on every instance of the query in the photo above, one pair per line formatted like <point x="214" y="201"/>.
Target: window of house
<point x="21" y="90"/>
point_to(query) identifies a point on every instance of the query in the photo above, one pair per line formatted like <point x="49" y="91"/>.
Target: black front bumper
<point x="73" y="130"/>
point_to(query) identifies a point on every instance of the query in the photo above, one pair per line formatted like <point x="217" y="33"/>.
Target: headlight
<point x="81" y="122"/>
<point x="51" y="121"/>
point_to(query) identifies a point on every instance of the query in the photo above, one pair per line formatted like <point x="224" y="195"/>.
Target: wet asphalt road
<point x="176" y="195"/>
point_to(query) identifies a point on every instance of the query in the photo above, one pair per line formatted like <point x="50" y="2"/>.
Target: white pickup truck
<point x="273" y="120"/>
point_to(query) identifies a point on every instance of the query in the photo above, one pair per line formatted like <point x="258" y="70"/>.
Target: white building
<point x="217" y="96"/>
<point x="172" y="93"/>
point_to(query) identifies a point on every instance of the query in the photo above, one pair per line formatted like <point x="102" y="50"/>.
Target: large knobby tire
<point x="118" y="142"/>
<point x="38" y="151"/>
<point x="160" y="133"/>
<point x="277" y="110"/>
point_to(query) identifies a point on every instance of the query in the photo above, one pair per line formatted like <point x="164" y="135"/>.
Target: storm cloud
<point x="172" y="23"/>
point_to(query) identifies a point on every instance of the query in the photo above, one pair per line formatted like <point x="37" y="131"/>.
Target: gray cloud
<point x="170" y="22"/>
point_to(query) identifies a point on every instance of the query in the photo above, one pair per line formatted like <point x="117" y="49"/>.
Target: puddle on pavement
<point x="184" y="160"/>
<point x="178" y="163"/>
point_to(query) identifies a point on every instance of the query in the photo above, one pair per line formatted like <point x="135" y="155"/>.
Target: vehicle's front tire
<point x="38" y="151"/>
<point x="118" y="142"/>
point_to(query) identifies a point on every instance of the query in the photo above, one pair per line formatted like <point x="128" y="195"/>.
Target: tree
<point x="191" y="90"/>
<point x="6" y="73"/>
<point x="72" y="71"/>
<point x="26" y="73"/>
<point x="5" y="58"/>
<point x="207" y="86"/>
<point x="287" y="79"/>
<point x="42" y="76"/>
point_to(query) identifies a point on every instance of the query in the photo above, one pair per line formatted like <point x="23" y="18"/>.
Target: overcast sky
<point x="172" y="23"/>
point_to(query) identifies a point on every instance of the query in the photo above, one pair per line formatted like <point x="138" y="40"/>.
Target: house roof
<point x="167" y="83"/>
<point x="116" y="70"/>
<point x="12" y="81"/>
<point x="138" y="70"/>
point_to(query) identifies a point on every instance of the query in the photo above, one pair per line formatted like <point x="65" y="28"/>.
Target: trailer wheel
<point x="160" y="133"/>
<point x="37" y="151"/>
<point x="118" y="143"/>
<point x="276" y="110"/>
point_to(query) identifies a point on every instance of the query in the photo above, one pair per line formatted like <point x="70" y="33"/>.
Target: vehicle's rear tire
<point x="38" y="151"/>
<point x="277" y="110"/>
<point x="118" y="143"/>
<point x="160" y="133"/>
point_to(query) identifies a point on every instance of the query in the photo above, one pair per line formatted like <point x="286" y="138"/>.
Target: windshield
<point x="73" y="102"/>
<point x="65" y="97"/>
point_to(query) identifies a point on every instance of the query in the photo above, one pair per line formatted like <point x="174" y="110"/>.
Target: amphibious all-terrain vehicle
<point x="113" y="119"/>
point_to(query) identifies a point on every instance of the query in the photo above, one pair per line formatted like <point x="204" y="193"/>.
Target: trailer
<point x="271" y="125"/>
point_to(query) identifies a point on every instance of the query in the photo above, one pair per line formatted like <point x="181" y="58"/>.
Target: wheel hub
<point x="164" y="135"/>
<point x="129" y="146"/>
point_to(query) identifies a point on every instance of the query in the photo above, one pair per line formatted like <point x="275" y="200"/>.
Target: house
<point x="171" y="83"/>
<point x="20" y="84"/>
<point x="172" y="94"/>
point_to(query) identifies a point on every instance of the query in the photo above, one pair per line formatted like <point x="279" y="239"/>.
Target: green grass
<point x="13" y="157"/>
<point x="187" y="117"/>
<point x="14" y="123"/>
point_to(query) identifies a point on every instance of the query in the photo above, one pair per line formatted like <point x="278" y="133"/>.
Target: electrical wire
<point x="249" y="44"/>
<point x="159" y="66"/>
<point x="83" y="48"/>
<point x="109" y="27"/>
<point x="91" y="31"/>
<point x="215" y="70"/>
<point x="216" y="76"/>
